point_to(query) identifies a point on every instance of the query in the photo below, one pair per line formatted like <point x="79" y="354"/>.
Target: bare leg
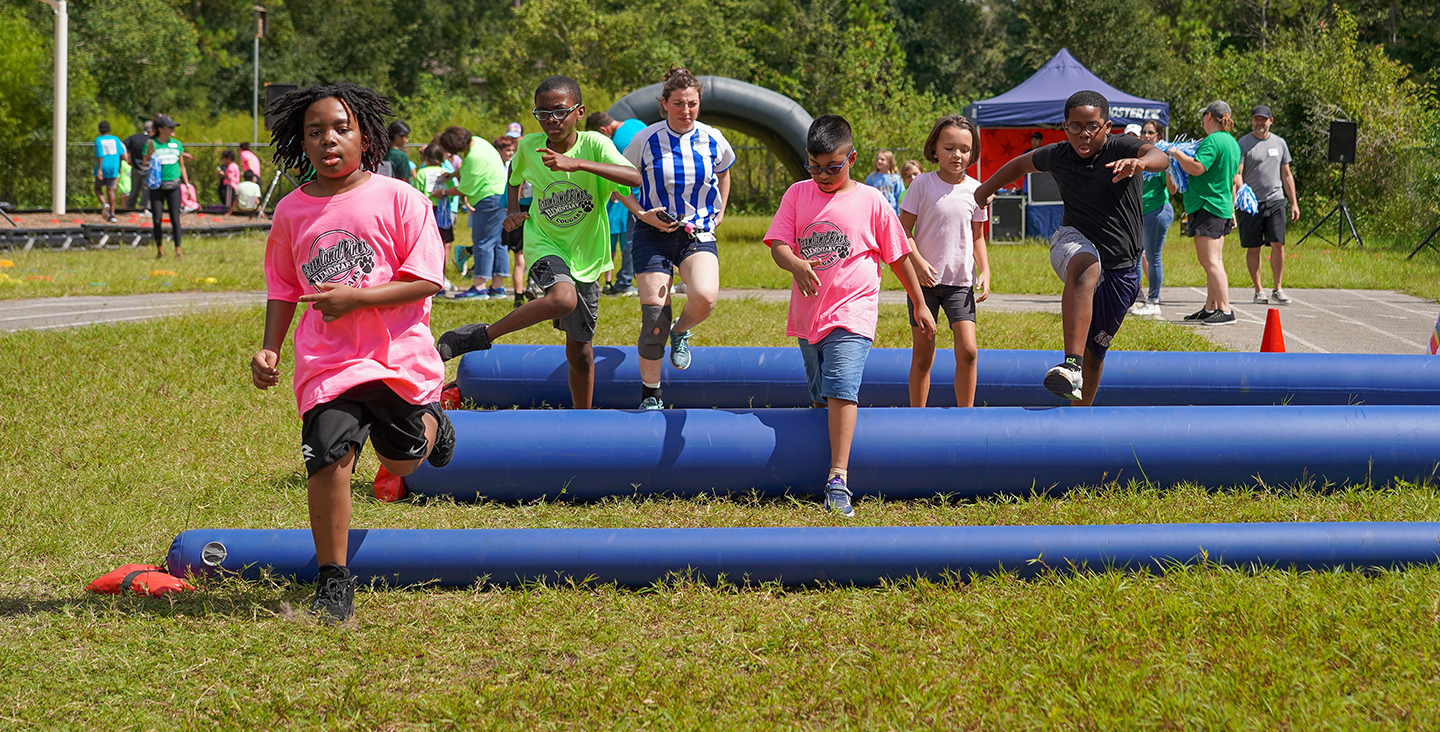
<point x="1077" y="303"/>
<point x="701" y="274"/>
<point x="581" y="357"/>
<point x="654" y="289"/>
<point x="967" y="355"/>
<point x="517" y="274"/>
<point x="329" y="495"/>
<point x="1252" y="262"/>
<point x="1090" y="371"/>
<point x="1277" y="262"/>
<point x="922" y="357"/>
<point x="841" y="420"/>
<point x="1207" y="250"/>
<point x="558" y="302"/>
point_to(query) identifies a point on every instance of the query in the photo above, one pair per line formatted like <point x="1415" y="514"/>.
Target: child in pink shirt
<point x="832" y="234"/>
<point x="363" y="250"/>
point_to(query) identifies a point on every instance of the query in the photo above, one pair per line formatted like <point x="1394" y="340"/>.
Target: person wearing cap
<point x="1210" y="205"/>
<point x="481" y="180"/>
<point x="1132" y="130"/>
<point x="167" y="152"/>
<point x="1265" y="167"/>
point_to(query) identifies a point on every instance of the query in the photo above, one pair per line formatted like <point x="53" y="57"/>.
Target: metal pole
<point x="62" y="95"/>
<point x="255" y="97"/>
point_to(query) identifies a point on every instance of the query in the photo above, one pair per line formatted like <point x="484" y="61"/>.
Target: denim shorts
<point x="834" y="366"/>
<point x="654" y="250"/>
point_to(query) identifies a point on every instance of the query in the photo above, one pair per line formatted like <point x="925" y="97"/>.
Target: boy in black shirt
<point x="1097" y="247"/>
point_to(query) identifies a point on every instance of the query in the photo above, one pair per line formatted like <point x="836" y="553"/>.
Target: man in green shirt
<point x="481" y="180"/>
<point x="567" y="231"/>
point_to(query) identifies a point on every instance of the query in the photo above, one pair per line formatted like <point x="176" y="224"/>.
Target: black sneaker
<point x="444" y="448"/>
<point x="462" y="340"/>
<point x="334" y="595"/>
<point x="1200" y="314"/>
<point x="1065" y="381"/>
<point x="1219" y="318"/>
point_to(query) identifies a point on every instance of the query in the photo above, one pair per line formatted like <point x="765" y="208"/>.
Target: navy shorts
<point x="1113" y="298"/>
<point x="653" y="250"/>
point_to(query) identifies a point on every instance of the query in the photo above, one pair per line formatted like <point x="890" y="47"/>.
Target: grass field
<point x="119" y="437"/>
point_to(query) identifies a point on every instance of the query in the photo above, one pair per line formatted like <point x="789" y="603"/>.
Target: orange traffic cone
<point x="388" y="487"/>
<point x="1274" y="339"/>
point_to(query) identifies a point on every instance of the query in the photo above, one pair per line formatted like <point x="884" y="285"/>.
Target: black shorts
<point x="1113" y="298"/>
<point x="958" y="303"/>
<point x="653" y="250"/>
<point x="1206" y="224"/>
<point x="446" y="235"/>
<point x="1266" y="226"/>
<point x="372" y="410"/>
<point x="579" y="325"/>
<point x="515" y="240"/>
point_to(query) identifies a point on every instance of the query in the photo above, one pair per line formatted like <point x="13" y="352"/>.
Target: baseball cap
<point x="164" y="120"/>
<point x="1216" y="108"/>
<point x="1261" y="110"/>
<point x="1132" y="129"/>
<point x="514" y="130"/>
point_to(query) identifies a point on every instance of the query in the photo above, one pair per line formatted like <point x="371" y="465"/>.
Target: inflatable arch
<point x="773" y="118"/>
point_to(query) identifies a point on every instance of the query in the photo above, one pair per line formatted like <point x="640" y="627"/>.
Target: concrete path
<point x="1318" y="321"/>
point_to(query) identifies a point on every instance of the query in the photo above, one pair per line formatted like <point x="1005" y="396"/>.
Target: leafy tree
<point x="954" y="49"/>
<point x="141" y="53"/>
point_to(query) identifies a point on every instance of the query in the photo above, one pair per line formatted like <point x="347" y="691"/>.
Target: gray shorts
<point x="579" y="325"/>
<point x="957" y="302"/>
<point x="1064" y="245"/>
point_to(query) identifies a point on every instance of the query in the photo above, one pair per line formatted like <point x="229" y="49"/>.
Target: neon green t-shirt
<point x="167" y="154"/>
<point x="1212" y="190"/>
<point x="482" y="173"/>
<point x="567" y="216"/>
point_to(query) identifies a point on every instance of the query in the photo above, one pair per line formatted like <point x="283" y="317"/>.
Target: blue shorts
<point x="835" y="365"/>
<point x="1113" y="298"/>
<point x="654" y="250"/>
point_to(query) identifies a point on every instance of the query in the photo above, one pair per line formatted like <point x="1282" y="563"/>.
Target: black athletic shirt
<point x="1107" y="213"/>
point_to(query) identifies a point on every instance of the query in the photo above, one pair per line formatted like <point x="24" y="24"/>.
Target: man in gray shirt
<point x="1265" y="167"/>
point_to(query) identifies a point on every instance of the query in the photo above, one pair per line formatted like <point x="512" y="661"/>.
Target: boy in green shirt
<point x="567" y="232"/>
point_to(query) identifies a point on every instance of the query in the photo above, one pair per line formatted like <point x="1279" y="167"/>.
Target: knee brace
<point x="654" y="331"/>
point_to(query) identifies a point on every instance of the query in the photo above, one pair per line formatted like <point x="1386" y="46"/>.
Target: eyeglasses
<point x="1075" y="128"/>
<point x="831" y="169"/>
<point x="545" y="115"/>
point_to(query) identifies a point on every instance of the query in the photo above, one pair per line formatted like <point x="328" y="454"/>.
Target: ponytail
<point x="678" y="78"/>
<point x="1227" y="124"/>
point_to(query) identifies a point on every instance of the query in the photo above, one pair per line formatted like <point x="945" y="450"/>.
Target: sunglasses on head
<point x="545" y="115"/>
<point x="831" y="169"/>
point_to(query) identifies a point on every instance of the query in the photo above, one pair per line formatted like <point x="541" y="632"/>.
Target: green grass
<point x="234" y="264"/>
<point x="163" y="433"/>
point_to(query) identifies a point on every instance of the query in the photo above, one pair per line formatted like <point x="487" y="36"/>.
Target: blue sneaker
<point x="473" y="293"/>
<point x="837" y="497"/>
<point x="652" y="403"/>
<point x="679" y="348"/>
<point x="497" y="293"/>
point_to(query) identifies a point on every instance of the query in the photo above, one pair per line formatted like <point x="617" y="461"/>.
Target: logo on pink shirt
<point x="340" y="257"/>
<point x="824" y="244"/>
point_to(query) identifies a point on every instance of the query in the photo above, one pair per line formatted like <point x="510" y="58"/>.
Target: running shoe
<point x="1200" y="314"/>
<point x="462" y="340"/>
<point x="1260" y="298"/>
<point x="497" y="293"/>
<point x="679" y="348"/>
<point x="1279" y="296"/>
<point x="474" y="293"/>
<point x="651" y="403"/>
<point x="1138" y="308"/>
<point x="1065" y="381"/>
<point x="334" y="595"/>
<point x="444" y="448"/>
<point x="837" y="497"/>
<point x="1150" y="310"/>
<point x="628" y="292"/>
<point x="1219" y="318"/>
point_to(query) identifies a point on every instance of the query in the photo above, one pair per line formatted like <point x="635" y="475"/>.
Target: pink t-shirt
<point x="250" y="161"/>
<point x="362" y="238"/>
<point x="852" y="235"/>
<point x="231" y="172"/>
<point x="943" y="236"/>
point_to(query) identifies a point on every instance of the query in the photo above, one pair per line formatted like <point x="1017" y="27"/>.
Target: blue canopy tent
<point x="1006" y="121"/>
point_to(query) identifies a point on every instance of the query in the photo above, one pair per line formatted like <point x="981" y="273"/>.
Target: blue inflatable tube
<point x="915" y="453"/>
<point x="797" y="556"/>
<point x="740" y="378"/>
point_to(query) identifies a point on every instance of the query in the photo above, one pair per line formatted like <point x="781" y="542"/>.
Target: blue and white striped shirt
<point x="678" y="172"/>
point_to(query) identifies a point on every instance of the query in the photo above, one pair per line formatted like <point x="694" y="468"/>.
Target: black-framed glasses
<point x="831" y="169"/>
<point x="1075" y="128"/>
<point x="545" y="115"/>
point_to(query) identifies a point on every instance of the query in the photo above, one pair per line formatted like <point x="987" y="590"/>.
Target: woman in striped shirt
<point x="684" y="167"/>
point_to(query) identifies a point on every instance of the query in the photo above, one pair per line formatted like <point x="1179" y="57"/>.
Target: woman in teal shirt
<point x="1210" y="203"/>
<point x="1159" y="214"/>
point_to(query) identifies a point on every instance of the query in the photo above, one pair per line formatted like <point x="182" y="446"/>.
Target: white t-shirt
<point x="247" y="195"/>
<point x="943" y="214"/>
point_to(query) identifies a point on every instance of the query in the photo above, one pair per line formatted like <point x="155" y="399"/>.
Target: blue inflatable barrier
<point x="742" y="378"/>
<point x="917" y="453"/>
<point x="798" y="556"/>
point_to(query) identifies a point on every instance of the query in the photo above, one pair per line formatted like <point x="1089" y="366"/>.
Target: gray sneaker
<point x="1260" y="298"/>
<point x="837" y="497"/>
<point x="462" y="340"/>
<point x="1279" y="296"/>
<point x="679" y="348"/>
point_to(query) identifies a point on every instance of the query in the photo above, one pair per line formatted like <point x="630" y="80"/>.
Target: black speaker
<point x="1042" y="188"/>
<point x="1342" y="141"/>
<point x="1007" y="218"/>
<point x="275" y="91"/>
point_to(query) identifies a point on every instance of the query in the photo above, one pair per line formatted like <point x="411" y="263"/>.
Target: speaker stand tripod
<point x="1344" y="211"/>
<point x="1425" y="243"/>
<point x="275" y="181"/>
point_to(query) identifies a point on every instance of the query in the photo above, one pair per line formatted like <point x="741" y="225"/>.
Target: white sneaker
<point x="1279" y="296"/>
<point x="1065" y="381"/>
<point x="1151" y="310"/>
<point x="1260" y="298"/>
<point x="1138" y="308"/>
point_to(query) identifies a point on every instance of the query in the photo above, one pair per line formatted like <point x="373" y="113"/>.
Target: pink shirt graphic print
<point x="361" y="238"/>
<point x="848" y="238"/>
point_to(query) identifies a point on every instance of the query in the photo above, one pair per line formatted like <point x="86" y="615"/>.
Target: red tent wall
<point x="998" y="145"/>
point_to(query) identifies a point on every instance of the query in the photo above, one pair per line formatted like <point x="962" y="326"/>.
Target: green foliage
<point x="874" y="93"/>
<point x="23" y="106"/>
<point x="138" y="51"/>
<point x="1118" y="40"/>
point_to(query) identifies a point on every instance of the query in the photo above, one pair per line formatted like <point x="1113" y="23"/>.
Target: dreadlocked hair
<point x="367" y="109"/>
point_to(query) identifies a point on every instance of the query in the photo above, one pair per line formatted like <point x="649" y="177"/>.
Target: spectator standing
<point x="886" y="177"/>
<point x="620" y="217"/>
<point x="229" y="179"/>
<point x="249" y="161"/>
<point x="399" y="160"/>
<point x="139" y="166"/>
<point x="1210" y="205"/>
<point x="168" y="153"/>
<point x="514" y="240"/>
<point x="1265" y="167"/>
<point x="109" y="151"/>
<point x="482" y="182"/>
<point x="1157" y="214"/>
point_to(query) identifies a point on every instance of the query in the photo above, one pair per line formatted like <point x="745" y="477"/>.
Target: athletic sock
<point x="842" y="472"/>
<point x="1073" y="360"/>
<point x="649" y="390"/>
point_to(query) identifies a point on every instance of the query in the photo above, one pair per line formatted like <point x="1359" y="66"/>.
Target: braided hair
<point x="367" y="110"/>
